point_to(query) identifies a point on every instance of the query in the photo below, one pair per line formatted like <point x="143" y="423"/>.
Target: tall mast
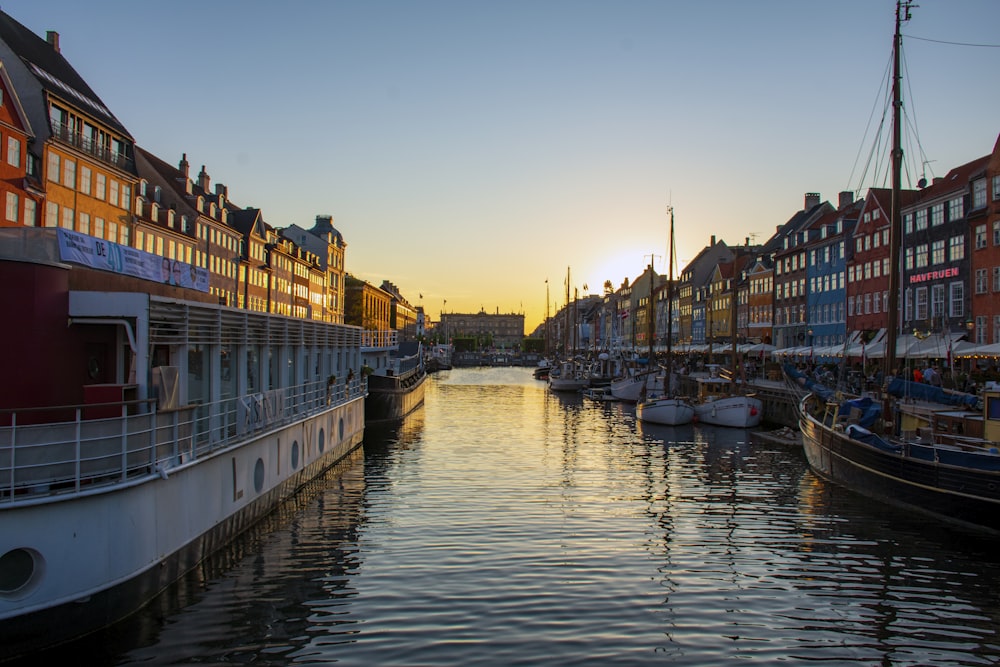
<point x="670" y="296"/>
<point x="895" y="224"/>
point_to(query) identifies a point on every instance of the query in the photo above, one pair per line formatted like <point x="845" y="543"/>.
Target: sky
<point x="473" y="153"/>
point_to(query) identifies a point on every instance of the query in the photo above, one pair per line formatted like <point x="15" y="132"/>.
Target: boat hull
<point x="667" y="411"/>
<point x="629" y="389"/>
<point x="731" y="411"/>
<point x="101" y="556"/>
<point x="391" y="398"/>
<point x="905" y="475"/>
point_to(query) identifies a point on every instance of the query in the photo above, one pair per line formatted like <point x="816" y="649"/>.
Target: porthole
<point x="295" y="454"/>
<point x="20" y="571"/>
<point x="322" y="440"/>
<point x="258" y="475"/>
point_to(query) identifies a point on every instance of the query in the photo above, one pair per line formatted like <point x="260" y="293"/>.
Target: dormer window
<point x="201" y="204"/>
<point x="154" y="211"/>
<point x="142" y="187"/>
<point x="211" y="210"/>
<point x="139" y="203"/>
<point x="157" y="192"/>
<point x="184" y="222"/>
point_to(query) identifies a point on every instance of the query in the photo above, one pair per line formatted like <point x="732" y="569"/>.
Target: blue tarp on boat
<point x="864" y="435"/>
<point x="807" y="382"/>
<point x="926" y="392"/>
<point x="870" y="410"/>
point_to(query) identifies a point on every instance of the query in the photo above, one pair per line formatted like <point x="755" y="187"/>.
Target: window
<point x="937" y="252"/>
<point x="99" y="227"/>
<point x="921" y="304"/>
<point x="956" y="209"/>
<point x="84" y="222"/>
<point x="957" y="305"/>
<point x="102" y="182"/>
<point x="980" y="236"/>
<point x="84" y="179"/>
<point x="996" y="187"/>
<point x="908" y="223"/>
<point x="113" y="192"/>
<point x="30" y="212"/>
<point x="921" y="254"/>
<point x="67" y="218"/>
<point x="868" y="303"/>
<point x="69" y="173"/>
<point x="996" y="278"/>
<point x="979" y="193"/>
<point x="937" y="214"/>
<point x="908" y="262"/>
<point x="14" y="151"/>
<point x="12" y="207"/>
<point x="982" y="281"/>
<point x="908" y="305"/>
<point x="957" y="248"/>
<point x="920" y="221"/>
<point x="937" y="300"/>
<point x="54" y="166"/>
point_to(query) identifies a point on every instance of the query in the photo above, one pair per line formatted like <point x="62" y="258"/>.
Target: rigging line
<point x="868" y="127"/>
<point x="941" y="41"/>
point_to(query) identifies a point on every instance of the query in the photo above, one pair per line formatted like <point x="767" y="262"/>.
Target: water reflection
<point x="503" y="524"/>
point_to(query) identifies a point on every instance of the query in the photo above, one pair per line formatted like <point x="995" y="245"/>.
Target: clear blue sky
<point x="470" y="151"/>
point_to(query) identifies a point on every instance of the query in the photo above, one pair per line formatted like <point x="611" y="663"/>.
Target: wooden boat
<point x="667" y="409"/>
<point x="919" y="447"/>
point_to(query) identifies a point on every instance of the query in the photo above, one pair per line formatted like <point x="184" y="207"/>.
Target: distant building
<point x="504" y="331"/>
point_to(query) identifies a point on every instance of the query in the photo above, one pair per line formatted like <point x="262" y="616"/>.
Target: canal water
<point x="502" y="524"/>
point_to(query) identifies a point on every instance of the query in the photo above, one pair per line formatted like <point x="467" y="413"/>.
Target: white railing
<point x="73" y="456"/>
<point x="387" y="338"/>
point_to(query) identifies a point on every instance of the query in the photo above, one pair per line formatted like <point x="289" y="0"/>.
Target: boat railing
<point x="82" y="454"/>
<point x="379" y="338"/>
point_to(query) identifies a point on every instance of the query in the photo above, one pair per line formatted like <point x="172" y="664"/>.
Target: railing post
<point x="152" y="439"/>
<point x="124" y="436"/>
<point x="79" y="428"/>
<point x="13" y="446"/>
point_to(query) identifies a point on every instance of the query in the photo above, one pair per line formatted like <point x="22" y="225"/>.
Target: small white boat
<point x="719" y="406"/>
<point x="665" y="410"/>
<point x="629" y="388"/>
<point x="568" y="376"/>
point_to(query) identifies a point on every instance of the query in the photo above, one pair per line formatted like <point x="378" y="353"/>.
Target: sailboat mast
<point x="895" y="217"/>
<point x="670" y="296"/>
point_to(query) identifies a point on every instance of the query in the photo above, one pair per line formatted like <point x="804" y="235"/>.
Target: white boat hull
<point x="98" y="556"/>
<point x="732" y="411"/>
<point x="629" y="389"/>
<point x="667" y="411"/>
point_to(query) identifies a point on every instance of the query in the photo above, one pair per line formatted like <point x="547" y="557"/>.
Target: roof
<point x="54" y="73"/>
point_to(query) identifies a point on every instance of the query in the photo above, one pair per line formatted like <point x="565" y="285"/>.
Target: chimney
<point x="52" y="37"/>
<point x="846" y="199"/>
<point x="203" y="179"/>
<point x="812" y="200"/>
<point x="221" y="189"/>
<point x="184" y="167"/>
<point x="713" y="241"/>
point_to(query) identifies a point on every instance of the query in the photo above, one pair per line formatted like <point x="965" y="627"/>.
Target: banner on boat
<point x="106" y="256"/>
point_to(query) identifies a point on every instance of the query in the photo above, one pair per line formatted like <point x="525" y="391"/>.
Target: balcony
<point x="68" y="135"/>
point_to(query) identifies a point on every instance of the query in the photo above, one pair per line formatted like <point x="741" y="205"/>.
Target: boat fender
<point x="714" y="408"/>
<point x="753" y="411"/>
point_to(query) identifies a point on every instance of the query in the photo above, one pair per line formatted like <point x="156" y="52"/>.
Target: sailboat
<point x="720" y="401"/>
<point x="666" y="408"/>
<point x="929" y="453"/>
<point x="567" y="376"/>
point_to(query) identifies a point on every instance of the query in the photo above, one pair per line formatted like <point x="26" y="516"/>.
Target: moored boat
<point x="718" y="405"/>
<point x="396" y="376"/>
<point x="206" y="418"/>
<point x="665" y="410"/>
<point x="918" y="446"/>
